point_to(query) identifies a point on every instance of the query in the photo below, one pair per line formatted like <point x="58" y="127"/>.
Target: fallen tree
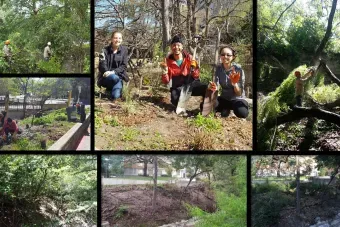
<point x="298" y="113"/>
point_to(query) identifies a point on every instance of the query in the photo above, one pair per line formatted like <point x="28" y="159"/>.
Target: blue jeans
<point x="115" y="84"/>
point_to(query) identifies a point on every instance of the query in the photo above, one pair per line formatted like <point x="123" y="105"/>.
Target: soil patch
<point x="312" y="207"/>
<point x="132" y="205"/>
<point x="150" y="123"/>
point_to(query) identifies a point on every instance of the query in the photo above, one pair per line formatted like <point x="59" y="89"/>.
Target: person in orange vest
<point x="7" y="51"/>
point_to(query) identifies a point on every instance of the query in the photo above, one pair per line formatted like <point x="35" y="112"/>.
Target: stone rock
<point x="317" y="219"/>
<point x="335" y="223"/>
<point x="105" y="224"/>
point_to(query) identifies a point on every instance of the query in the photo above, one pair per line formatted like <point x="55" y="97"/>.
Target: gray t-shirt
<point x="222" y="79"/>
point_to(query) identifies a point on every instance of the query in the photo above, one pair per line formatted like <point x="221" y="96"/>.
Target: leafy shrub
<point x="207" y="123"/>
<point x="51" y="66"/>
<point x="60" y="118"/>
<point x="269" y="187"/>
<point x="266" y="207"/>
<point x="121" y="211"/>
<point x="325" y="93"/>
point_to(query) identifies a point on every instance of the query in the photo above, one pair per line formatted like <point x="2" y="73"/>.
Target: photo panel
<point x="295" y="190"/>
<point x="182" y="81"/>
<point x="174" y="190"/>
<point x="48" y="190"/>
<point x="45" y="37"/>
<point x="45" y="113"/>
<point x="298" y="76"/>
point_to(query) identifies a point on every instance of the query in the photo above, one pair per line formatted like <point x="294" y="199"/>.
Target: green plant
<point x="129" y="134"/>
<point x="325" y="93"/>
<point x="51" y="66"/>
<point x="205" y="73"/>
<point x="121" y="211"/>
<point x="206" y="123"/>
<point x="109" y="120"/>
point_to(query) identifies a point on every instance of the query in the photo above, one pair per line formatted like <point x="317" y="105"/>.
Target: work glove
<point x="107" y="73"/>
<point x="234" y="76"/>
<point x="312" y="70"/>
<point x="164" y="67"/>
<point x="193" y="64"/>
<point x="212" y="86"/>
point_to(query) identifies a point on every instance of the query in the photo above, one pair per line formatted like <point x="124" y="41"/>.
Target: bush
<point x="270" y="187"/>
<point x="60" y="118"/>
<point x="266" y="207"/>
<point x="206" y="123"/>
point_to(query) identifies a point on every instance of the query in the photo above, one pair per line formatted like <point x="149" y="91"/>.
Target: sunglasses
<point x="228" y="55"/>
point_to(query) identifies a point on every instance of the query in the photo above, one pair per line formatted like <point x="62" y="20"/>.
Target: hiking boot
<point x="225" y="113"/>
<point x="183" y="114"/>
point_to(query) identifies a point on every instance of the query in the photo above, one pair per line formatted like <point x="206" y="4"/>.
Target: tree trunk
<point x="278" y="170"/>
<point x="25" y="97"/>
<point x="188" y="19"/>
<point x="300" y="112"/>
<point x="165" y="24"/>
<point x="145" y="170"/>
<point x="154" y="196"/>
<point x="297" y="185"/>
<point x="330" y="74"/>
<point x="327" y="34"/>
<point x="207" y="5"/>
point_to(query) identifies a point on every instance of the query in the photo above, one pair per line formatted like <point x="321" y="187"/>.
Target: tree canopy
<point x="31" y="24"/>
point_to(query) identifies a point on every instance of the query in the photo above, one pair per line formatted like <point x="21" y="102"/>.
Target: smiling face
<point x="116" y="39"/>
<point x="176" y="48"/>
<point x="227" y="56"/>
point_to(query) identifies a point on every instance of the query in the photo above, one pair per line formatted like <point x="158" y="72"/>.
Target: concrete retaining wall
<point x="71" y="139"/>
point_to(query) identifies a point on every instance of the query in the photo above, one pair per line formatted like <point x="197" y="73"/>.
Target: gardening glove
<point x="107" y="73"/>
<point x="234" y="76"/>
<point x="193" y="64"/>
<point x="164" y="67"/>
<point x="212" y="86"/>
<point x="312" y="70"/>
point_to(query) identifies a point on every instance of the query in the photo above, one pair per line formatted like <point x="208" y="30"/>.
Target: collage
<point x="169" y="113"/>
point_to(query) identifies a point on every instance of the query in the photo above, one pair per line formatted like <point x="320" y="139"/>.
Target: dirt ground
<point x="131" y="206"/>
<point x="312" y="134"/>
<point x="312" y="207"/>
<point x="150" y="123"/>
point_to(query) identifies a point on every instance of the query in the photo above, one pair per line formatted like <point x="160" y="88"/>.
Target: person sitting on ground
<point x="112" y="66"/>
<point x="177" y="68"/>
<point x="299" y="84"/>
<point x="230" y="76"/>
<point x="10" y="126"/>
<point x="7" y="52"/>
<point x="47" y="52"/>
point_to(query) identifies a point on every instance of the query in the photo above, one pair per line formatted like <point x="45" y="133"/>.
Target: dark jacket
<point x="179" y="74"/>
<point x="109" y="61"/>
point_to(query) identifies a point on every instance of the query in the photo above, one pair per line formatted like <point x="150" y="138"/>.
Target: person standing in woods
<point x="112" y="66"/>
<point x="230" y="76"/>
<point x="299" y="82"/>
<point x="7" y="52"/>
<point x="47" y="52"/>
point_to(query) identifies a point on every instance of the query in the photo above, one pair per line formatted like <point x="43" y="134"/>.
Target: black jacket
<point x="109" y="61"/>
